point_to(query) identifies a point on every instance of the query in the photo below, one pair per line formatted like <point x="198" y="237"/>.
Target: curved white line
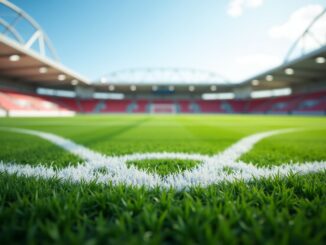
<point x="211" y="170"/>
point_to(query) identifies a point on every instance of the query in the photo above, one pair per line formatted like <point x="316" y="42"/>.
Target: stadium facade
<point x="33" y="82"/>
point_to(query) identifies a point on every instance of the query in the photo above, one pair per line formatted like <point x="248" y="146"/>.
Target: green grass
<point x="283" y="211"/>
<point x="26" y="149"/>
<point x="297" y="147"/>
<point x="164" y="166"/>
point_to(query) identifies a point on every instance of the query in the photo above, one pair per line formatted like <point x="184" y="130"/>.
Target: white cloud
<point x="298" y="22"/>
<point x="237" y="7"/>
<point x="254" y="63"/>
<point x="259" y="60"/>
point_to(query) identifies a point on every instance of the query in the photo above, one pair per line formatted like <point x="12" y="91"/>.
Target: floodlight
<point x="14" y="57"/>
<point x="289" y="71"/>
<point x="269" y="78"/>
<point x="154" y="88"/>
<point x="213" y="88"/>
<point x="61" y="77"/>
<point x="74" y="82"/>
<point x="43" y="69"/>
<point x="133" y="88"/>
<point x="255" y="82"/>
<point x="320" y="60"/>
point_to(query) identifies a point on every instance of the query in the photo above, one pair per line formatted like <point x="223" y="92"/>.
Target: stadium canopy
<point x="27" y="56"/>
<point x="26" y="53"/>
<point x="163" y="76"/>
<point x="305" y="61"/>
<point x="161" y="80"/>
<point x="304" y="64"/>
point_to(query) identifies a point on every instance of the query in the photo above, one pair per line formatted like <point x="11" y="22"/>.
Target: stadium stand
<point x="28" y="67"/>
<point x="25" y="104"/>
<point x="238" y="106"/>
<point x="115" y="106"/>
<point x="313" y="103"/>
<point x="212" y="106"/>
<point x="184" y="106"/>
<point x="89" y="105"/>
<point x="141" y="106"/>
<point x="68" y="103"/>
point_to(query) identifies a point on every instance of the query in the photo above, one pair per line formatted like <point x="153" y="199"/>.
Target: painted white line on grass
<point x="222" y="167"/>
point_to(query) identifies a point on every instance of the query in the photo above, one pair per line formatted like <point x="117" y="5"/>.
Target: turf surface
<point x="291" y="210"/>
<point x="164" y="166"/>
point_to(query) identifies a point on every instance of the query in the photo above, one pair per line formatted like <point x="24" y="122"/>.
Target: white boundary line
<point x="211" y="171"/>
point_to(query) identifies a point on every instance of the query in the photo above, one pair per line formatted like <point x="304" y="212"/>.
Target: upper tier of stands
<point x="18" y="103"/>
<point x="23" y="104"/>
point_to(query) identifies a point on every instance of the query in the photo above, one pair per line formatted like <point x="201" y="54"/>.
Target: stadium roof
<point x="310" y="67"/>
<point x="161" y="80"/>
<point x="163" y="76"/>
<point x="30" y="57"/>
<point x="309" y="64"/>
<point x="28" y="60"/>
<point x="19" y="63"/>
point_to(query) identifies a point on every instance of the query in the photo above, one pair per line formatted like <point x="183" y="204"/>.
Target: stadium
<point x="160" y="154"/>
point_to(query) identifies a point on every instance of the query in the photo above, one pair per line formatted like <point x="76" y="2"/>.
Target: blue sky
<point x="236" y="38"/>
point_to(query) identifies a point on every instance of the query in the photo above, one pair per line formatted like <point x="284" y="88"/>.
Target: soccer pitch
<point x="163" y="179"/>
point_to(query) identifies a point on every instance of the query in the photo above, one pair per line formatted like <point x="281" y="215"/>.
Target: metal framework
<point x="37" y="40"/>
<point x="163" y="76"/>
<point x="313" y="37"/>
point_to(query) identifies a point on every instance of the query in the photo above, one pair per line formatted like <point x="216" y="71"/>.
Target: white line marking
<point x="211" y="171"/>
